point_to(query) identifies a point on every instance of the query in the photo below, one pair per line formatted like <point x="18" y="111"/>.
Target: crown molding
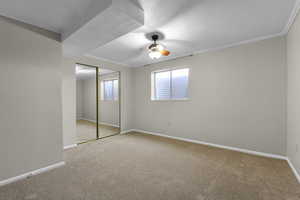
<point x="195" y="53"/>
<point x="292" y="17"/>
<point x="239" y="43"/>
<point x="285" y="31"/>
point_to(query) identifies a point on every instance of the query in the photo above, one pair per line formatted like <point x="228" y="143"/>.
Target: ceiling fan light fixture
<point x="157" y="50"/>
<point x="160" y="47"/>
<point x="156" y="47"/>
<point x="154" y="54"/>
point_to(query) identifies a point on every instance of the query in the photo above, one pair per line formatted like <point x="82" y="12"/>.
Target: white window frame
<point x="103" y="89"/>
<point x="153" y="84"/>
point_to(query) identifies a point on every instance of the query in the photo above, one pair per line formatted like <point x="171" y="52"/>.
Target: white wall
<point x="126" y="95"/>
<point x="79" y="99"/>
<point x="68" y="102"/>
<point x="31" y="95"/>
<point x="89" y="99"/>
<point x="293" y="104"/>
<point x="109" y="113"/>
<point x="237" y="98"/>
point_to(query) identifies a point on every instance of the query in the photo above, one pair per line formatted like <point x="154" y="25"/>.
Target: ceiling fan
<point x="157" y="50"/>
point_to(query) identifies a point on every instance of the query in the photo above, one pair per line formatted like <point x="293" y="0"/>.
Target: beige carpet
<point x="86" y="130"/>
<point x="142" y="167"/>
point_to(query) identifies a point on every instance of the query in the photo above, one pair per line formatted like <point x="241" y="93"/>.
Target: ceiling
<point x="197" y="25"/>
<point x="84" y="72"/>
<point x="188" y="26"/>
<point x="53" y="15"/>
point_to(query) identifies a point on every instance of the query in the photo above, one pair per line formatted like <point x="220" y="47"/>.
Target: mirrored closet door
<point x="109" y="103"/>
<point x="86" y="105"/>
<point x="97" y="103"/>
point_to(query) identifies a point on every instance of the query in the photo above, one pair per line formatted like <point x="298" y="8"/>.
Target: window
<point x="110" y="90"/>
<point x="170" y="84"/>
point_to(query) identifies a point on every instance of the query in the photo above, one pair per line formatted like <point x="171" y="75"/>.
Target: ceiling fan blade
<point x="137" y="54"/>
<point x="183" y="43"/>
<point x="165" y="52"/>
<point x="144" y="29"/>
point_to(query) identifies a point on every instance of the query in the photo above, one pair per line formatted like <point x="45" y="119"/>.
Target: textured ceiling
<point x="188" y="25"/>
<point x="197" y="25"/>
<point x="115" y="19"/>
<point x="53" y="15"/>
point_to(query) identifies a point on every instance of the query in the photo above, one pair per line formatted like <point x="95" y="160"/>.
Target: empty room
<point x="140" y="99"/>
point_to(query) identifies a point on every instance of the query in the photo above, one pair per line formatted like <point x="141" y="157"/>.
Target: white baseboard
<point x="296" y="173"/>
<point x="89" y="120"/>
<point x="108" y="124"/>
<point x="215" y="145"/>
<point x="70" y="146"/>
<point x="292" y="17"/>
<point x="294" y="169"/>
<point x="127" y="131"/>
<point x="102" y="123"/>
<point x="32" y="173"/>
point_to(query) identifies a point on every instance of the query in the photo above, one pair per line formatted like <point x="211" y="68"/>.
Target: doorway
<point x="97" y="103"/>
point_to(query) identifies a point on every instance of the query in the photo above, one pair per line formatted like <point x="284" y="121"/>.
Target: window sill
<point x="170" y="100"/>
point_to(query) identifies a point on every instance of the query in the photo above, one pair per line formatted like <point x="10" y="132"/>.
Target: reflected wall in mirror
<point x="86" y="107"/>
<point x="109" y="103"/>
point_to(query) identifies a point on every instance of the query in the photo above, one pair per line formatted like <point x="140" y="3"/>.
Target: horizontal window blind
<point x="163" y="85"/>
<point x="172" y="84"/>
<point x="110" y="90"/>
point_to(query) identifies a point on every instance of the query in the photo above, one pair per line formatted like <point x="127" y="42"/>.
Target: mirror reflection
<point x="109" y="106"/>
<point x="86" y="109"/>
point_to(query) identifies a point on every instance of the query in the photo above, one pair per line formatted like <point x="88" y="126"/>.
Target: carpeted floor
<point x="86" y="130"/>
<point x="142" y="167"/>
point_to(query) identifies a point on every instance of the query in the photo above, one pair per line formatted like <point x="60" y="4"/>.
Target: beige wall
<point x="69" y="107"/>
<point x="293" y="103"/>
<point x="68" y="102"/>
<point x="79" y="99"/>
<point x="237" y="98"/>
<point x="89" y="99"/>
<point x="30" y="99"/>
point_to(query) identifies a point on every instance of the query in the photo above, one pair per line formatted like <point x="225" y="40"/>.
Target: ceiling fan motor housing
<point x="155" y="46"/>
<point x="154" y="37"/>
